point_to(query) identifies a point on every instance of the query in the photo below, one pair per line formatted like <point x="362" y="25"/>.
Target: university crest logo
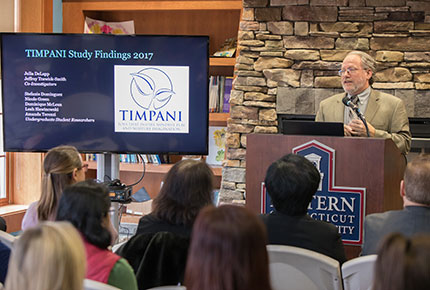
<point x="342" y="206"/>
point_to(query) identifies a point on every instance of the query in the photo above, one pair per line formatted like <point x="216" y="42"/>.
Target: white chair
<point x="168" y="288"/>
<point x="358" y="273"/>
<point x="7" y="239"/>
<point x="95" y="285"/>
<point x="117" y="246"/>
<point x="293" y="268"/>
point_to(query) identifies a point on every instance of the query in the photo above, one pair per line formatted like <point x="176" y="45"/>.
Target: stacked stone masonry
<point x="289" y="54"/>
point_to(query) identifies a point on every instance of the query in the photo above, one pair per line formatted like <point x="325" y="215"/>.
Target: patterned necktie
<point x="354" y="100"/>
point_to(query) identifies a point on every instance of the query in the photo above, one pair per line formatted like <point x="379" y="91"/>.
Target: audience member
<point x="158" y="251"/>
<point x="4" y="254"/>
<point x="403" y="263"/>
<point x="158" y="259"/>
<point x="187" y="188"/>
<point x="62" y="166"/>
<point x="48" y="256"/>
<point x="415" y="216"/>
<point x="227" y="251"/>
<point x="86" y="205"/>
<point x="291" y="183"/>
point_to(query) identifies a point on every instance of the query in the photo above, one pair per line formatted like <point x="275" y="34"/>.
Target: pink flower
<point x="106" y="29"/>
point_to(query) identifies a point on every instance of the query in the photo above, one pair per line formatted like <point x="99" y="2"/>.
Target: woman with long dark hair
<point x="86" y="206"/>
<point x="227" y="251"/>
<point x="403" y="263"/>
<point x="186" y="190"/>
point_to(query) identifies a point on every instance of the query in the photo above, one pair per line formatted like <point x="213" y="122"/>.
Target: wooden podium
<point x="373" y="163"/>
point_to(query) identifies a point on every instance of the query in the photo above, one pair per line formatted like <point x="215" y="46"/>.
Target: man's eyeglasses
<point x="348" y="70"/>
<point x="84" y="167"/>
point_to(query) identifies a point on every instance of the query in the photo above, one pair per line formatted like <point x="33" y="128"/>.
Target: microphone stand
<point x="360" y="115"/>
<point x="347" y="102"/>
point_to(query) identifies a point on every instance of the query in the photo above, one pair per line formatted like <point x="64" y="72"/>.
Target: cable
<point x="144" y="170"/>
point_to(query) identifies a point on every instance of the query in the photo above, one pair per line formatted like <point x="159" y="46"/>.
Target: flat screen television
<point x="105" y="93"/>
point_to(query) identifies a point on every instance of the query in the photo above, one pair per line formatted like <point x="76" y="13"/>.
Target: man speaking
<point x="384" y="114"/>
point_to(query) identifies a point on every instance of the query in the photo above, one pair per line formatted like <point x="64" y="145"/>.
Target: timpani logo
<point x="151" y="88"/>
<point x="152" y="99"/>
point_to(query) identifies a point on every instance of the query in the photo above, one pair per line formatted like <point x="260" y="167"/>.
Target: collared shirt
<point x="363" y="99"/>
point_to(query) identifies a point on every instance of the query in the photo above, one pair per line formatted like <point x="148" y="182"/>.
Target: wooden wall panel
<point x="26" y="177"/>
<point x="14" y="220"/>
<point x="35" y="15"/>
<point x="195" y="22"/>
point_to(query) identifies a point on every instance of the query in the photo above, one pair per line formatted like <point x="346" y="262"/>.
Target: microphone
<point x="347" y="102"/>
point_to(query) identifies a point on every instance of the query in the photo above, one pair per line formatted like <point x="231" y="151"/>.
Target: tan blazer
<point x="385" y="112"/>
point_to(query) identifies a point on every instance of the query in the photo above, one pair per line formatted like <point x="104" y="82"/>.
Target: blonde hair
<point x="58" y="167"/>
<point x="50" y="256"/>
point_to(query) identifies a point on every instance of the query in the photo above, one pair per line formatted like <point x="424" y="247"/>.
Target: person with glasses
<point x="384" y="114"/>
<point x="62" y="166"/>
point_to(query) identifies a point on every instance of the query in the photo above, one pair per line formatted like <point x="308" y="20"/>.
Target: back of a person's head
<point x="187" y="188"/>
<point x="291" y="182"/>
<point x="227" y="251"/>
<point x="49" y="256"/>
<point x="417" y="179"/>
<point x="86" y="205"/>
<point x="403" y="263"/>
<point x="58" y="167"/>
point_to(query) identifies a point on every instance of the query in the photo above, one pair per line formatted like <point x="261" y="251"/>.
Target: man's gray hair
<point x="417" y="179"/>
<point x="367" y="62"/>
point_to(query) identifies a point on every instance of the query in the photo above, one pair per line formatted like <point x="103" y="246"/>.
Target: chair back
<point x="358" y="273"/>
<point x="95" y="285"/>
<point x="157" y="259"/>
<point x="7" y="239"/>
<point x="168" y="288"/>
<point x="117" y="246"/>
<point x="293" y="268"/>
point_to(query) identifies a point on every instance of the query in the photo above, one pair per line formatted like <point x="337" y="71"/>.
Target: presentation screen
<point x="105" y="93"/>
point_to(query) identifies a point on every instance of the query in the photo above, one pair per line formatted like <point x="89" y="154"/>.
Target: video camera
<point x="119" y="192"/>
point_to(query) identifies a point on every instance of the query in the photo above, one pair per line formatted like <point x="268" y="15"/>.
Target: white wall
<point x="6" y="15"/>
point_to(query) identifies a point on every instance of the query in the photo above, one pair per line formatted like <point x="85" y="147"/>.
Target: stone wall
<point x="289" y="53"/>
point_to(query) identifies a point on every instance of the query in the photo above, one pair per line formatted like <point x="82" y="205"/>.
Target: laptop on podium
<point x="298" y="127"/>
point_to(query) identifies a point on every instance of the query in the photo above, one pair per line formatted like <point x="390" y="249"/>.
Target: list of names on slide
<point x="43" y="98"/>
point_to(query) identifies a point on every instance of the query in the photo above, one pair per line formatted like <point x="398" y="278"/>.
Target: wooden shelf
<point x="125" y="5"/>
<point x="150" y="168"/>
<point x="222" y="61"/>
<point x="217" y="19"/>
<point x="218" y="119"/>
<point x="223" y="66"/>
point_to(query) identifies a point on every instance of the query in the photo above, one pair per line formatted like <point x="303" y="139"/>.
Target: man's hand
<point x="347" y="131"/>
<point x="358" y="129"/>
